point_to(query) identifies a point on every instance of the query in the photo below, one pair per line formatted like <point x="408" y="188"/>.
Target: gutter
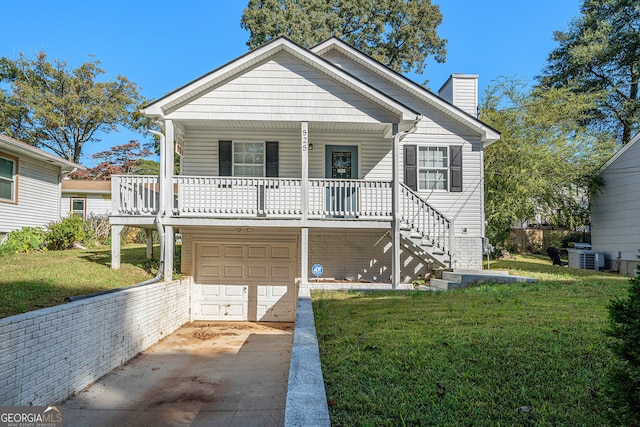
<point x="161" y="234"/>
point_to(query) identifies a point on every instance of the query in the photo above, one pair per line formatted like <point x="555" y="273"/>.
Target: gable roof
<point x="215" y="78"/>
<point x="487" y="133"/>
<point x="620" y="152"/>
<point x="33" y="152"/>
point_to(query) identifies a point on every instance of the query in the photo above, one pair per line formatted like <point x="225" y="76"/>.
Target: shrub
<point x="26" y="239"/>
<point x="624" y="376"/>
<point x="101" y="228"/>
<point x="63" y="234"/>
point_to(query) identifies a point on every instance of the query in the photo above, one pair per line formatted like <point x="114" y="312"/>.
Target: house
<point x="615" y="210"/>
<point x="30" y="181"/>
<point x="85" y="198"/>
<point x="300" y="162"/>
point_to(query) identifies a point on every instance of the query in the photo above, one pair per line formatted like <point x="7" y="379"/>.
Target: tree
<point x="399" y="33"/>
<point x="126" y="159"/>
<point x="600" y="52"/>
<point x="624" y="374"/>
<point x="544" y="164"/>
<point x="51" y="106"/>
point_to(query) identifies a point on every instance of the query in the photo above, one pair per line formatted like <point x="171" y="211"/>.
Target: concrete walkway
<point x="205" y="374"/>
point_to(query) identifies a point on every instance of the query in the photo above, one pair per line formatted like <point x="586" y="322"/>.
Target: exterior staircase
<point x="426" y="232"/>
<point x="465" y="278"/>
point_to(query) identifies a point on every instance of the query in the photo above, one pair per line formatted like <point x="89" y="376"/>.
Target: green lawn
<point x="43" y="279"/>
<point x="491" y="355"/>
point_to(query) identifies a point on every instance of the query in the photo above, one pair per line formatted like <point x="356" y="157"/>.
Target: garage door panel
<point x="258" y="251"/>
<point x="210" y="251"/>
<point x="258" y="271"/>
<point x="208" y="272"/>
<point x="282" y="271"/>
<point x="233" y="251"/>
<point x="233" y="271"/>
<point x="281" y="252"/>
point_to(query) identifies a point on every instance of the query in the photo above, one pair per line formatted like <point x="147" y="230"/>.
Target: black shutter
<point x="455" y="170"/>
<point x="272" y="157"/>
<point x="411" y="166"/>
<point x="225" y="158"/>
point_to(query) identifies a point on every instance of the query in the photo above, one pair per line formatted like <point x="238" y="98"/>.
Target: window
<point x="77" y="207"/>
<point x="8" y="172"/>
<point x="433" y="168"/>
<point x="248" y="159"/>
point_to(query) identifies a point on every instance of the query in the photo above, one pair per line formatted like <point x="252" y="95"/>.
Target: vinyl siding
<point x="95" y="204"/>
<point x="201" y="151"/>
<point x="38" y="196"/>
<point x="283" y="89"/>
<point x="615" y="210"/>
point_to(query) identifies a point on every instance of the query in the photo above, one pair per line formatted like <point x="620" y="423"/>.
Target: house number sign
<point x="305" y="136"/>
<point x="317" y="270"/>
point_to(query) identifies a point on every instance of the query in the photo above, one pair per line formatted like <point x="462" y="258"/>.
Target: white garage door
<point x="245" y="282"/>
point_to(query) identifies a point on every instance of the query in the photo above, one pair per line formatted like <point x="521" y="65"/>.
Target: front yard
<point x="44" y="279"/>
<point x="514" y="354"/>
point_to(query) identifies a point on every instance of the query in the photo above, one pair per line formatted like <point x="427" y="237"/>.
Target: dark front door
<point x="341" y="163"/>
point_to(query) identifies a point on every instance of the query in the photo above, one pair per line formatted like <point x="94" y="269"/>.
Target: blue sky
<point x="162" y="45"/>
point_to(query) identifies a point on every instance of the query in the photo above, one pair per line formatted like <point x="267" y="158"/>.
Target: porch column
<point x="304" y="256"/>
<point x="395" y="207"/>
<point x="115" y="246"/>
<point x="166" y="208"/>
<point x="304" y="189"/>
<point x="149" y="234"/>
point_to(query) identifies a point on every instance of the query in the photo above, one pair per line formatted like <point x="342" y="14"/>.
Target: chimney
<point x="461" y="90"/>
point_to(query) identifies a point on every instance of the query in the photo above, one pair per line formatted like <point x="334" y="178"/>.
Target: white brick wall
<point x="47" y="355"/>
<point x="468" y="253"/>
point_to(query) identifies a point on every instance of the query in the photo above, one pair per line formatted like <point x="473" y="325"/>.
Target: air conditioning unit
<point x="586" y="259"/>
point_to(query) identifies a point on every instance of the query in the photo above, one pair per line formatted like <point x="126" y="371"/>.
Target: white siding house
<point x="615" y="210"/>
<point x="293" y="158"/>
<point x="85" y="198"/>
<point x="29" y="185"/>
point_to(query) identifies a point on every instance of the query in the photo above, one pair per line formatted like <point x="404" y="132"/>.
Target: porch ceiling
<point x="381" y="128"/>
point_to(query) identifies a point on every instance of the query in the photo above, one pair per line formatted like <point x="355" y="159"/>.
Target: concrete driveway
<point x="204" y="374"/>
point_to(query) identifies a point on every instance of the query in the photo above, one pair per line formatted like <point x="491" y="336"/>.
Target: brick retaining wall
<point x="47" y="355"/>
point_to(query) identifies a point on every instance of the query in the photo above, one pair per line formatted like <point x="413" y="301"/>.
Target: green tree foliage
<point x="624" y="376"/>
<point x="126" y="159"/>
<point x="399" y="33"/>
<point x="600" y="52"/>
<point x="544" y="163"/>
<point x="49" y="105"/>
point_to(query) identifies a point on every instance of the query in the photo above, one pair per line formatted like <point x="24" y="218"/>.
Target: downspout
<point x="159" y="227"/>
<point x="395" y="201"/>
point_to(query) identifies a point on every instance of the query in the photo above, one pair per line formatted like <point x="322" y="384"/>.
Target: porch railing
<point x="435" y="229"/>
<point x="135" y="194"/>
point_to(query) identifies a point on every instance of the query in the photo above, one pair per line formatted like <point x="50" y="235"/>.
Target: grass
<point x="44" y="279"/>
<point x="490" y="355"/>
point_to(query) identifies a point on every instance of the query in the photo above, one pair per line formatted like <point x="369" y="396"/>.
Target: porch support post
<point x="168" y="252"/>
<point x="395" y="207"/>
<point x="304" y="190"/>
<point x="115" y="246"/>
<point x="149" y="233"/>
<point x="304" y="257"/>
<point x="166" y="208"/>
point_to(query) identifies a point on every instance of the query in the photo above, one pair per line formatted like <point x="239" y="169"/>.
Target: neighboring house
<point x="615" y="210"/>
<point x="85" y="198"/>
<point x="294" y="158"/>
<point x="29" y="185"/>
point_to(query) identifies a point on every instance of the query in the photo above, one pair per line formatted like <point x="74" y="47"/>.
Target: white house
<point x="85" y="198"/>
<point x="30" y="181"/>
<point x="293" y="159"/>
<point x="615" y="210"/>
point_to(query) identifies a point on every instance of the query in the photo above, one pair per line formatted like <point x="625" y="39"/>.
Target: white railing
<point x="420" y="217"/>
<point x="350" y="198"/>
<point x="135" y="194"/>
<point x="198" y="195"/>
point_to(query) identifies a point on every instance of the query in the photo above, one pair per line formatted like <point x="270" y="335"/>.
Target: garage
<point x="241" y="281"/>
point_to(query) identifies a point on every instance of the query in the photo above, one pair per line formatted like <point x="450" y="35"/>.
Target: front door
<point x="341" y="164"/>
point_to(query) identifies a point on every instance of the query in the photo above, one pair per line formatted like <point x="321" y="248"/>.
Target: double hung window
<point x="8" y="172"/>
<point x="433" y="168"/>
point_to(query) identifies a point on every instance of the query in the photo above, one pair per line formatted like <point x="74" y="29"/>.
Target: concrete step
<point x="467" y="278"/>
